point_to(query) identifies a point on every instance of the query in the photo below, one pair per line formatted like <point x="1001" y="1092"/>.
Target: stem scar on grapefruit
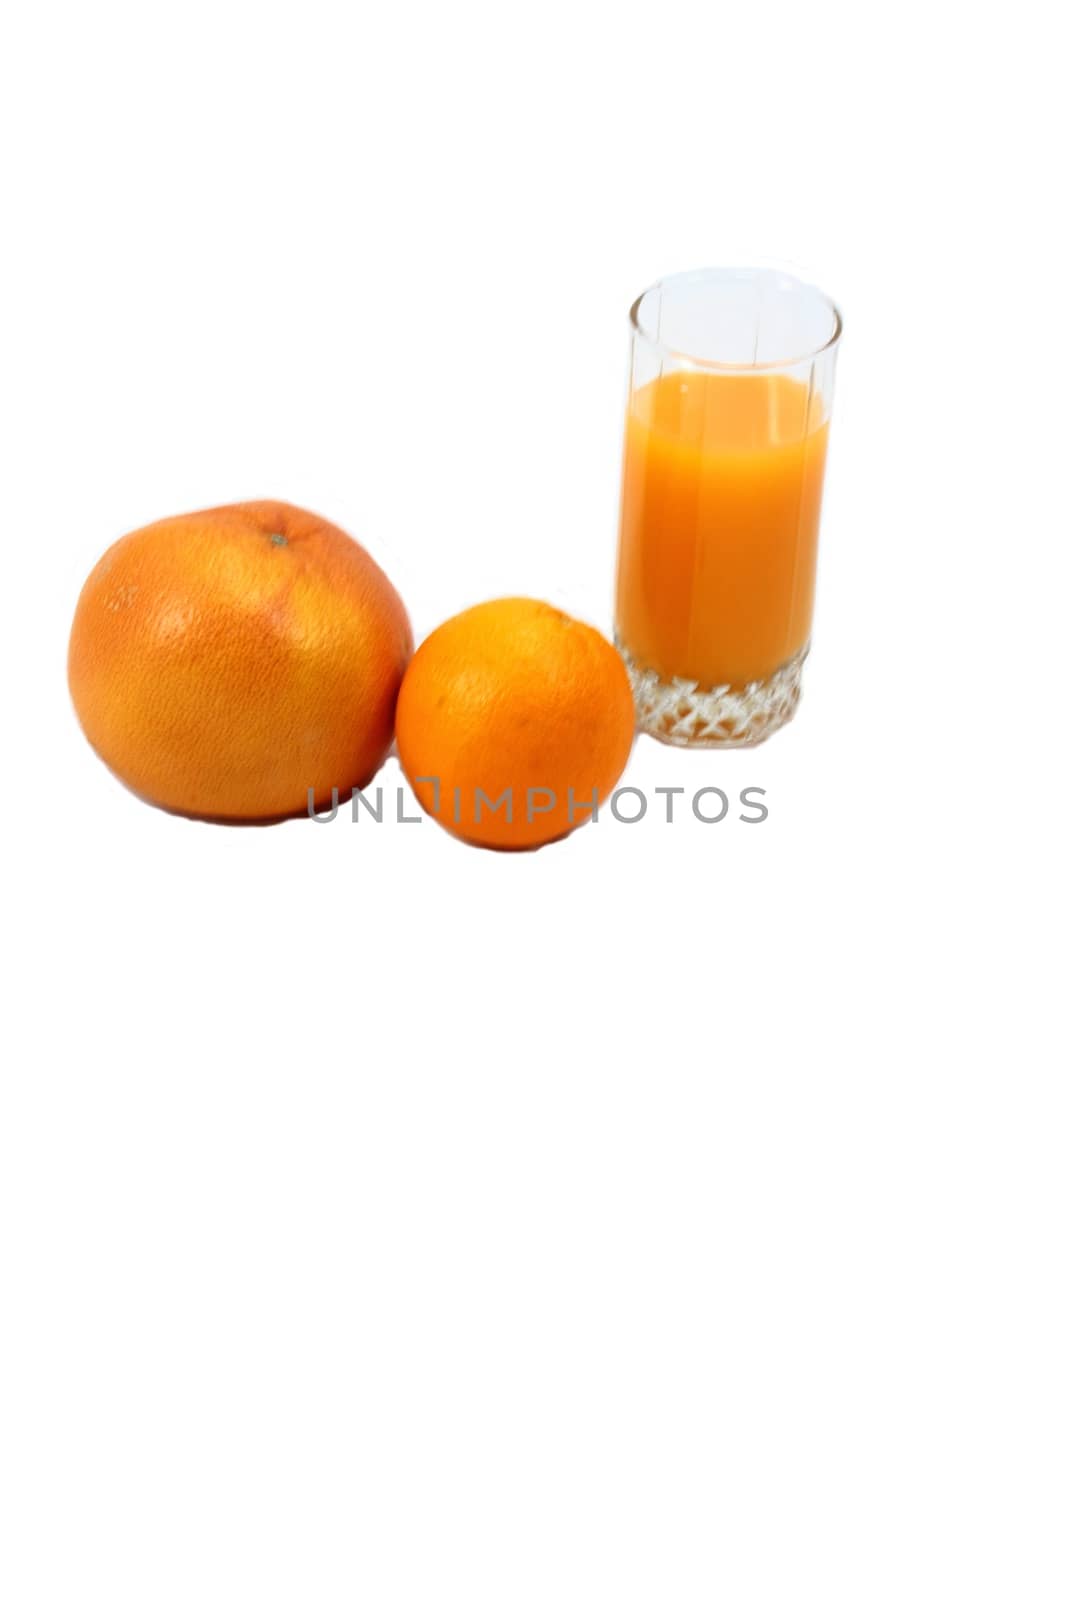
<point x="513" y="718"/>
<point x="225" y="662"/>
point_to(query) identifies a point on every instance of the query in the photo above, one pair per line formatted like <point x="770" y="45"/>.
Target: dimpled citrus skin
<point x="224" y="662"/>
<point x="514" y="694"/>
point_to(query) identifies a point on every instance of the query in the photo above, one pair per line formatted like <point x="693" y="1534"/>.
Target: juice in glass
<point x="722" y="485"/>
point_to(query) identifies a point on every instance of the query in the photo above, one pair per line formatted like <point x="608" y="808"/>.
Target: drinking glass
<point x="731" y="382"/>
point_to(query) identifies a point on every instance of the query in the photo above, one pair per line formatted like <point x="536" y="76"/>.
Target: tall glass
<point x="731" y="381"/>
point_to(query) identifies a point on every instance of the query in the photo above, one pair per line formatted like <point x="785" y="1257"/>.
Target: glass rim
<point x="710" y="275"/>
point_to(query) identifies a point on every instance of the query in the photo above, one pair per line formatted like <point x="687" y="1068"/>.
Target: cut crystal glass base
<point x="678" y="712"/>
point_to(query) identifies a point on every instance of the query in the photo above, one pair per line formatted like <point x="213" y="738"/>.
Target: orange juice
<point x="722" y="481"/>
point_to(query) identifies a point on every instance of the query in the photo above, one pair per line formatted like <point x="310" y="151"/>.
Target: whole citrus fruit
<point x="225" y="662"/>
<point x="513" y="720"/>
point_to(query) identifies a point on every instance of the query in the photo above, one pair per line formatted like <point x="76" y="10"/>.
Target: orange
<point x="225" y="662"/>
<point x="513" y="719"/>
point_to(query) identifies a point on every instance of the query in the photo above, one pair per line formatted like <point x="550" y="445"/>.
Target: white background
<point x="676" y="1211"/>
